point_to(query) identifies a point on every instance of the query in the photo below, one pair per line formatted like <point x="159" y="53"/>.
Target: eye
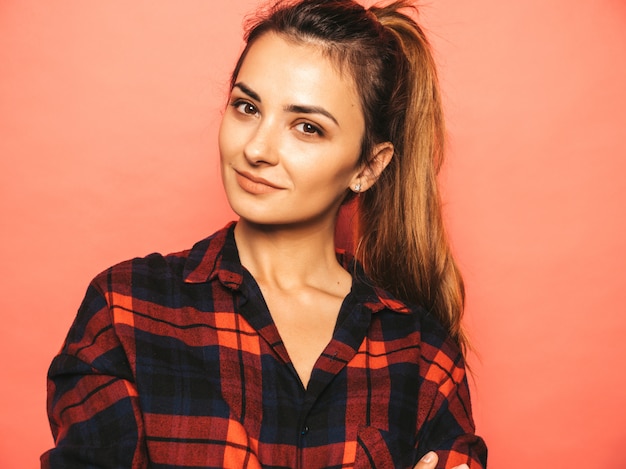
<point x="245" y="107"/>
<point x="309" y="129"/>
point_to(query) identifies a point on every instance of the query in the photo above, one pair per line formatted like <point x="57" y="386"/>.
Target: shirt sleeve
<point x="449" y="427"/>
<point x="92" y="400"/>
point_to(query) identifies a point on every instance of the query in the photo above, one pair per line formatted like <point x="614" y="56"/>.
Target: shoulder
<point x="440" y="356"/>
<point x="157" y="271"/>
<point x="393" y="313"/>
<point x="437" y="343"/>
<point x="155" y="267"/>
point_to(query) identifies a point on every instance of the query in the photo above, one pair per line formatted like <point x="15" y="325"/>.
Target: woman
<point x="262" y="346"/>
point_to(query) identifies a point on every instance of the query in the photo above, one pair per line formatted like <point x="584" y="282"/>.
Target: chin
<point x="256" y="216"/>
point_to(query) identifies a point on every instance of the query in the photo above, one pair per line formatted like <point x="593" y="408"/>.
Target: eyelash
<point x="313" y="129"/>
<point x="237" y="103"/>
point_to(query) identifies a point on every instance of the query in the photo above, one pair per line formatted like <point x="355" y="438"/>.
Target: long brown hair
<point x="401" y="240"/>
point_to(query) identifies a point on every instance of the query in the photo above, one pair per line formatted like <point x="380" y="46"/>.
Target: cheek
<point x="233" y="137"/>
<point x="221" y="139"/>
<point x="325" y="172"/>
<point x="225" y="143"/>
<point x="223" y="134"/>
<point x="339" y="166"/>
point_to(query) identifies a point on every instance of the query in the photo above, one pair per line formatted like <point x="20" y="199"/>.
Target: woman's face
<point x="290" y="138"/>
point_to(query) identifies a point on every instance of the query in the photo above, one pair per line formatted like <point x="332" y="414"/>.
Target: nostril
<point x="259" y="149"/>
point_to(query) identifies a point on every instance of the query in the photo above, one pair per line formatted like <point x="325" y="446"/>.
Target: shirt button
<point x="304" y="431"/>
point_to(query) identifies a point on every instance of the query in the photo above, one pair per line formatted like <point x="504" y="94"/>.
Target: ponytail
<point x="403" y="243"/>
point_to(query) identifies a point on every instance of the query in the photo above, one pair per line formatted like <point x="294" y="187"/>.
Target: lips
<point x="254" y="184"/>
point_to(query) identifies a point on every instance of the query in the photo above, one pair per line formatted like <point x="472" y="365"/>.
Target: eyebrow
<point x="247" y="91"/>
<point x="302" y="109"/>
<point x="296" y="108"/>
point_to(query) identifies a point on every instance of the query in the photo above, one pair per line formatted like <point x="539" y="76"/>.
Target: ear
<point x="371" y="171"/>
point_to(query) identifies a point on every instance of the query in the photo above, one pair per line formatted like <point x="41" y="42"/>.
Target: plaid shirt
<point x="174" y="361"/>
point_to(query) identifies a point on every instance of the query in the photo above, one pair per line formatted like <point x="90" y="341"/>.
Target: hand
<point x="429" y="461"/>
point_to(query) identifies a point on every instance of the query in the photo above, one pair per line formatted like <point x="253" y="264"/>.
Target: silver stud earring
<point x="357" y="187"/>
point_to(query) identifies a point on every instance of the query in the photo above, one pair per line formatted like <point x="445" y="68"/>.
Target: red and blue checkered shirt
<point x="174" y="361"/>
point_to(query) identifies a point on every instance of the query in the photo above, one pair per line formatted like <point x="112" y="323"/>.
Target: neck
<point x="288" y="257"/>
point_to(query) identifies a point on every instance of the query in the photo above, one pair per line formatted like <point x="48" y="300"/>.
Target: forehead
<point x="292" y="68"/>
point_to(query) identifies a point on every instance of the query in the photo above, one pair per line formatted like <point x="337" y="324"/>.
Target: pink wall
<point x="108" y="114"/>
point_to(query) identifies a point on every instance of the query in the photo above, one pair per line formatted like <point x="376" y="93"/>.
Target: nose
<point x="260" y="147"/>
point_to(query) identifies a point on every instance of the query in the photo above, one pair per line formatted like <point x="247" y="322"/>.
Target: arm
<point x="92" y="402"/>
<point x="447" y="426"/>
<point x="451" y="431"/>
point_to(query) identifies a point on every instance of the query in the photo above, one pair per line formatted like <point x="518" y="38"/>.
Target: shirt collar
<point x="217" y="257"/>
<point x="373" y="297"/>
